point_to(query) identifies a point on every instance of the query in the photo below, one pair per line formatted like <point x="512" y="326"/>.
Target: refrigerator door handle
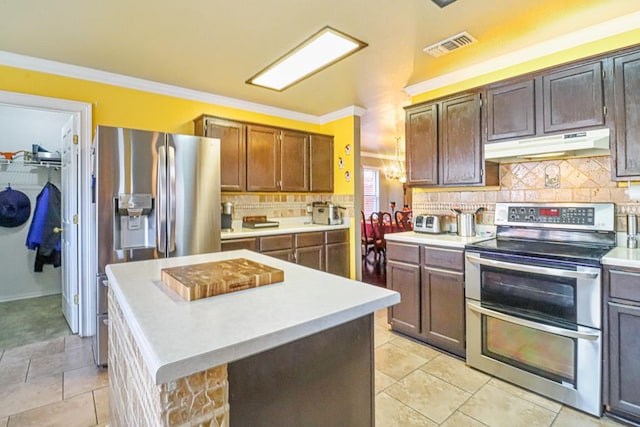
<point x="161" y="209"/>
<point x="172" y="199"/>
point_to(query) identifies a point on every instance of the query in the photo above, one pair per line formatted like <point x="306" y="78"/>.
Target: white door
<point x="70" y="194"/>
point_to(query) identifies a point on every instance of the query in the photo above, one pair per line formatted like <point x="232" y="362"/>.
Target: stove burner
<point x="581" y="254"/>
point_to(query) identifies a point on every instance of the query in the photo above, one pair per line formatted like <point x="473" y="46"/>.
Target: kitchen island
<point x="298" y="352"/>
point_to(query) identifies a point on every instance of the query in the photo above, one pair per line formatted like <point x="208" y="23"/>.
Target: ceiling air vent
<point x="450" y="44"/>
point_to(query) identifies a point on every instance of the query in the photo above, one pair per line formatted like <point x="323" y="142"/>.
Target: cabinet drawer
<point x="337" y="236"/>
<point x="451" y="259"/>
<point x="274" y="243"/>
<point x="304" y="240"/>
<point x="403" y="252"/>
<point x="624" y="285"/>
<point x="232" y="245"/>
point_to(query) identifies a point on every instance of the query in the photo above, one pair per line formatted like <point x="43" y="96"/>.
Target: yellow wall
<point x="117" y="106"/>
<point x="344" y="131"/>
<point x="611" y="43"/>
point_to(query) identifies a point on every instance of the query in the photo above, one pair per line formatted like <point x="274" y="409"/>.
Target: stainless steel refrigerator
<point x="155" y="195"/>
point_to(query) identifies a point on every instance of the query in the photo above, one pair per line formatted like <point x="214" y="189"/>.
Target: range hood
<point x="587" y="143"/>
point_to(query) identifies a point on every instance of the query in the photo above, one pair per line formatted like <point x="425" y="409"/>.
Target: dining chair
<point x="378" y="228"/>
<point x="403" y="220"/>
<point x="366" y="240"/>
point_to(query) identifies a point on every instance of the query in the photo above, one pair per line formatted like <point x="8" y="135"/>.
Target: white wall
<point x="19" y="129"/>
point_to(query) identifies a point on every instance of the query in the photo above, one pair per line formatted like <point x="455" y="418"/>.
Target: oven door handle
<point x="531" y="268"/>
<point x="592" y="336"/>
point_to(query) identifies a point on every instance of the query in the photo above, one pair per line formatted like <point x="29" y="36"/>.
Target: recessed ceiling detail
<point x="449" y="45"/>
<point x="322" y="49"/>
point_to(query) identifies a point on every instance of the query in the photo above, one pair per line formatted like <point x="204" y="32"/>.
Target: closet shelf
<point x="47" y="164"/>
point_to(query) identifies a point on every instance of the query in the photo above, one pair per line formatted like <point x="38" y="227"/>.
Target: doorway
<point x="54" y="300"/>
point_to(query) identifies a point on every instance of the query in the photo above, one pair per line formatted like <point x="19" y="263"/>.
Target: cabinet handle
<point x="439" y="270"/>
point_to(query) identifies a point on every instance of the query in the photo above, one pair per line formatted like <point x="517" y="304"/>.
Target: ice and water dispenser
<point x="134" y="224"/>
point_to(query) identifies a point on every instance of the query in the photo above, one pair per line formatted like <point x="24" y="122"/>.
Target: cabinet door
<point x="311" y="257"/>
<point x="460" y="147"/>
<point x="250" y="243"/>
<point x="627" y="115"/>
<point x="443" y="309"/>
<point x="294" y="161"/>
<point x="421" y="131"/>
<point x="263" y="158"/>
<point x="573" y="98"/>
<point x="337" y="259"/>
<point x="511" y="110"/>
<point x="232" y="153"/>
<point x="284" y="255"/>
<point x="405" y="279"/>
<point x="321" y="163"/>
<point x="624" y="354"/>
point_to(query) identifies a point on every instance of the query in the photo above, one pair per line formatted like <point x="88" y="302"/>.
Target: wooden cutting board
<point x="204" y="280"/>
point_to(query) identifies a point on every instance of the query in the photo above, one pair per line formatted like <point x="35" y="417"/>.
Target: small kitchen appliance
<point x="425" y="223"/>
<point x="326" y="213"/>
<point x="534" y="299"/>
<point x="225" y="217"/>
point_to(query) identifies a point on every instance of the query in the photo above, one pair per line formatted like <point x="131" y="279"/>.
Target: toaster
<point x="326" y="213"/>
<point x="424" y="223"/>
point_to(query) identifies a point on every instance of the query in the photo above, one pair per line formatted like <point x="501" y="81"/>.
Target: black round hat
<point x="15" y="208"/>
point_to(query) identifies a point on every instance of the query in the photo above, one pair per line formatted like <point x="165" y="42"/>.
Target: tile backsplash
<point x="282" y="205"/>
<point x="586" y="179"/>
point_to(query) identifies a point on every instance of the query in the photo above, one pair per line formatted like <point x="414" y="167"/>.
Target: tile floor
<point x="55" y="383"/>
<point x="419" y="386"/>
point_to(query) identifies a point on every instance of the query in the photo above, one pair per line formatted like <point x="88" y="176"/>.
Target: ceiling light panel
<point x="322" y="49"/>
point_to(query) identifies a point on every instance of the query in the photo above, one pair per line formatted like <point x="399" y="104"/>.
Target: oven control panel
<point x="593" y="216"/>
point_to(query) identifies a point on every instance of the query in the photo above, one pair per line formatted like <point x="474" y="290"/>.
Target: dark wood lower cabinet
<point x="624" y="360"/>
<point x="432" y="298"/>
<point x="622" y="366"/>
<point x="405" y="279"/>
<point x="325" y="379"/>
<point x="311" y="257"/>
<point x="321" y="250"/>
<point x="443" y="309"/>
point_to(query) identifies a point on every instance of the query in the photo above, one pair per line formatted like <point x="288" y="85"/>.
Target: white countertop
<point x="622" y="257"/>
<point x="447" y="239"/>
<point x="178" y="338"/>
<point x="287" y="226"/>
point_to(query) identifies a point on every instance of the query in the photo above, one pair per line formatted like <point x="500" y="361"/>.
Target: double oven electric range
<point x="534" y="299"/>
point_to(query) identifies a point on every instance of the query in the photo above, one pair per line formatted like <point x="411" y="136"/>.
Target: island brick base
<point x="200" y="399"/>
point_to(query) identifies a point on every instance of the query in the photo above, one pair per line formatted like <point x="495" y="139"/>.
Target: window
<point x="371" y="191"/>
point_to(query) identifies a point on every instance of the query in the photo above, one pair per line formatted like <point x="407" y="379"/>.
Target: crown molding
<point x="350" y="111"/>
<point x="84" y="73"/>
<point x="586" y="35"/>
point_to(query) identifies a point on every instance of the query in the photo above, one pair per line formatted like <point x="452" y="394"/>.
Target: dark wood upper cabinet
<point x="460" y="147"/>
<point x="444" y="145"/>
<point x="573" y="98"/>
<point x="626" y="83"/>
<point x="510" y="110"/>
<point x="232" y="150"/>
<point x="294" y="161"/>
<point x="263" y="158"/>
<point x="321" y="163"/>
<point x="421" y="130"/>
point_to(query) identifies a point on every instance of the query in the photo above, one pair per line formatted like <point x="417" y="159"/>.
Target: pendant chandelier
<point x="396" y="170"/>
